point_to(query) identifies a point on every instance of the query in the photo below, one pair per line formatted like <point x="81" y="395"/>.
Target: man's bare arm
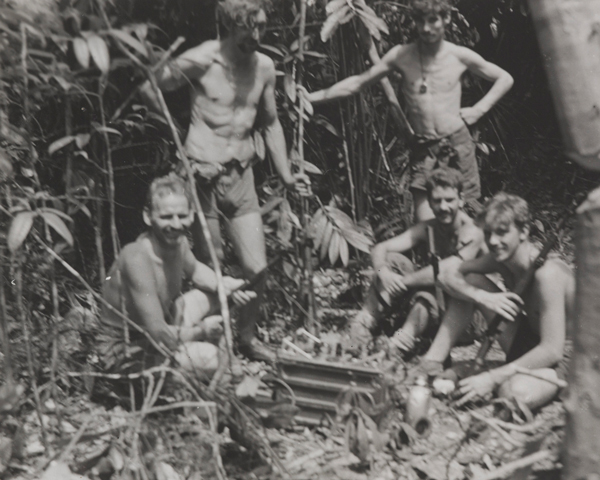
<point x="189" y="65"/>
<point x="354" y="84"/>
<point x="470" y="250"/>
<point x="502" y="80"/>
<point x="398" y="244"/>
<point x="454" y="281"/>
<point x="550" y="288"/>
<point x="139" y="279"/>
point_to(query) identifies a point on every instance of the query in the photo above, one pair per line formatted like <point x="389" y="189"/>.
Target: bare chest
<point x="441" y="73"/>
<point x="231" y="86"/>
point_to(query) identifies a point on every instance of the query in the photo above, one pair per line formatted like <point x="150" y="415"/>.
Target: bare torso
<point x="434" y="112"/>
<point x="562" y="275"/>
<point x="167" y="277"/>
<point x="225" y="100"/>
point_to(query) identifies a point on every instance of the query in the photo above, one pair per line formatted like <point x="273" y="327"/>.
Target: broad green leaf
<point x="58" y="225"/>
<point x="101" y="129"/>
<point x="311" y="168"/>
<point x="99" y="52"/>
<point x="318" y="229"/>
<point x="335" y="5"/>
<point x="284" y="227"/>
<point x="333" y="22"/>
<point x="320" y="120"/>
<point x="82" y="139"/>
<point x="271" y="204"/>
<point x="82" y="52"/>
<point x="66" y="86"/>
<point x="334" y="247"/>
<point x="306" y="106"/>
<point x="55" y="211"/>
<point x="127" y="39"/>
<point x="272" y="49"/>
<point x="312" y="224"/>
<point x="19" y="229"/>
<point x="327" y="234"/>
<point x="141" y="30"/>
<point x="344" y="251"/>
<point x="60" y="143"/>
<point x="357" y="239"/>
<point x="290" y="87"/>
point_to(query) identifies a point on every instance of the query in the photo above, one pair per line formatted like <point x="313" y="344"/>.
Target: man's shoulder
<point x="553" y="270"/>
<point x="464" y="54"/>
<point x="202" y="54"/>
<point x="265" y="63"/>
<point x="134" y="253"/>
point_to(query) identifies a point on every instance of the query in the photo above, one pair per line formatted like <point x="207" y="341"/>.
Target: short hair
<point x="444" y="177"/>
<point x="504" y="208"/>
<point x="237" y="12"/>
<point x="422" y="8"/>
<point x="163" y="186"/>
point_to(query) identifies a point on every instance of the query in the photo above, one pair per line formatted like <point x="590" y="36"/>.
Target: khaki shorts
<point x="227" y="189"/>
<point x="456" y="150"/>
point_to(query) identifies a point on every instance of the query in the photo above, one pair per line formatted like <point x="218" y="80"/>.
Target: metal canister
<point x="417" y="407"/>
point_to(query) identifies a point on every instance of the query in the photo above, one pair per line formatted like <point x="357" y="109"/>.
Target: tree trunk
<point x="569" y="37"/>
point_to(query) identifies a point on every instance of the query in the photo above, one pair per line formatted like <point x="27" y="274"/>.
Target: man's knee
<point x="529" y="391"/>
<point x="198" y="358"/>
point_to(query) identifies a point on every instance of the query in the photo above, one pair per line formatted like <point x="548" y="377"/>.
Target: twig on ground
<point x="505" y="435"/>
<point x="509" y="468"/>
<point x="305" y="458"/>
<point x="527" y="428"/>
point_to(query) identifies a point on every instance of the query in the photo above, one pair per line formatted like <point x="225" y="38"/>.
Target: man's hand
<point x="300" y="183"/>
<point x="212" y="328"/>
<point x="506" y="304"/>
<point x="470" y="115"/>
<point x="390" y="282"/>
<point x="475" y="387"/>
<point x="239" y="297"/>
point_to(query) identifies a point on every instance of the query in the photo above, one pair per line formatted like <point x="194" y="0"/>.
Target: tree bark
<point x="569" y="37"/>
<point x="582" y="442"/>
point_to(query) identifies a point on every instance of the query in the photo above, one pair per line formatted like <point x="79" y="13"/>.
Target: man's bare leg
<point x="530" y="391"/>
<point x="456" y="320"/>
<point x="422" y="209"/>
<point x="247" y="236"/>
<point x="414" y="326"/>
<point x="201" y="250"/>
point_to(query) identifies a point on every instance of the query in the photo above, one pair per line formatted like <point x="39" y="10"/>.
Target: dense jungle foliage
<point x="78" y="150"/>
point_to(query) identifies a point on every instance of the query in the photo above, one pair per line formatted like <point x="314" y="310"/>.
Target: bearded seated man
<point x="145" y="284"/>
<point x="456" y="238"/>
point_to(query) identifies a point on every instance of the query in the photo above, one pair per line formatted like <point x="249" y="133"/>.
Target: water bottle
<point x="417" y="407"/>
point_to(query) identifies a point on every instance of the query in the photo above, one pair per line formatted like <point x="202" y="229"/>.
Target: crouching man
<point x="145" y="283"/>
<point x="536" y="340"/>
<point x="456" y="238"/>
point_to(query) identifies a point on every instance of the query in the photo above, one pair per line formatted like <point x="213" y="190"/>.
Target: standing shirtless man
<point x="232" y="88"/>
<point x="431" y="70"/>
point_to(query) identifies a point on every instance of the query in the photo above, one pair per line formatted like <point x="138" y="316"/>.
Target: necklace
<point x="423" y="88"/>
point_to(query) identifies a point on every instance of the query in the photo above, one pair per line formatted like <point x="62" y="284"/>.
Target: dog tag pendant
<point x="423" y="88"/>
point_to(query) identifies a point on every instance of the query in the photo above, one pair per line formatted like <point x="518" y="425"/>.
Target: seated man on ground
<point x="456" y="238"/>
<point x="535" y="340"/>
<point x="145" y="284"/>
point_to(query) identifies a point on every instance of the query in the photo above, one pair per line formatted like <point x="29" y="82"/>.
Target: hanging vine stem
<point x="108" y="164"/>
<point x="27" y="336"/>
<point x="308" y="271"/>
